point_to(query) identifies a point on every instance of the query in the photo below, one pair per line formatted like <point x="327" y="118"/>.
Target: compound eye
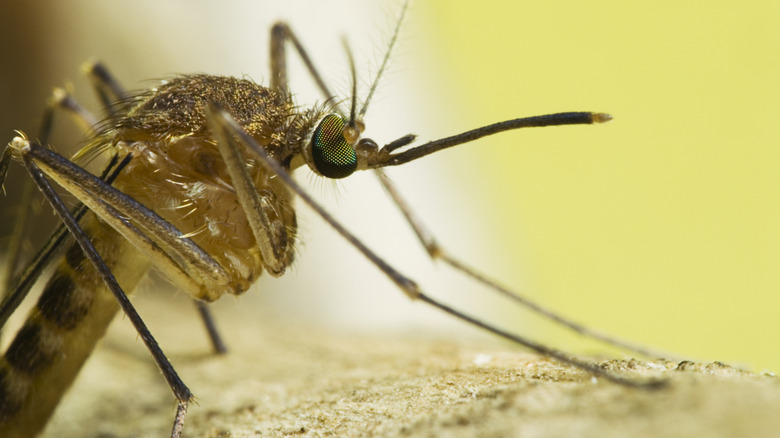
<point x="333" y="156"/>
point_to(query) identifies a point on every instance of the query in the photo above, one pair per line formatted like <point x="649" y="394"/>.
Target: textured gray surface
<point x="284" y="380"/>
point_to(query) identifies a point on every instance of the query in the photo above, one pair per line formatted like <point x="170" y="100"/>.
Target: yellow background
<point x="661" y="226"/>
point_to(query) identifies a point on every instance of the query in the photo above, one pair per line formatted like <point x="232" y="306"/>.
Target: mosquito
<point x="199" y="186"/>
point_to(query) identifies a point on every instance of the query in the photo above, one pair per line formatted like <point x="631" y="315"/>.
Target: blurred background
<point x="660" y="227"/>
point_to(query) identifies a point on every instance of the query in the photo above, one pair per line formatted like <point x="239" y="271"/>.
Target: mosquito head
<point x="333" y="140"/>
<point x="336" y="149"/>
<point x="332" y="151"/>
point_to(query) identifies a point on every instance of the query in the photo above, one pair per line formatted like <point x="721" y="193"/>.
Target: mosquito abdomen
<point x="61" y="331"/>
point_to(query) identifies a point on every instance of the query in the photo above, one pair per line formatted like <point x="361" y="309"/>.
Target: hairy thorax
<point x="178" y="172"/>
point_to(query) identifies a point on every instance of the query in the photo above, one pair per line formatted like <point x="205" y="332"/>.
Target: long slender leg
<point x="211" y="327"/>
<point x="16" y="287"/>
<point x="14" y="247"/>
<point x="232" y="132"/>
<point x="180" y="390"/>
<point x="258" y="210"/>
<point x="58" y="100"/>
<point x="111" y="94"/>
<point x="22" y="283"/>
<point x="436" y="252"/>
<point x="280" y="34"/>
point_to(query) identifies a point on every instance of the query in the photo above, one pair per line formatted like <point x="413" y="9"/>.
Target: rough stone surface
<point x="294" y="381"/>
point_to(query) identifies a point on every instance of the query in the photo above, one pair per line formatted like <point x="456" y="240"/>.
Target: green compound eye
<point x="333" y="156"/>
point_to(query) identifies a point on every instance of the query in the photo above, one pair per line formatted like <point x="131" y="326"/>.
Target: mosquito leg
<point x="437" y="252"/>
<point x="423" y="235"/>
<point x="225" y="127"/>
<point x="178" y="421"/>
<point x="257" y="208"/>
<point x="280" y="34"/>
<point x="59" y="100"/>
<point x="208" y="320"/>
<point x="14" y="245"/>
<point x="180" y="390"/>
<point x="14" y="249"/>
<point x="21" y="214"/>
<point x="112" y="95"/>
<point x="17" y="287"/>
<point x="21" y="285"/>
